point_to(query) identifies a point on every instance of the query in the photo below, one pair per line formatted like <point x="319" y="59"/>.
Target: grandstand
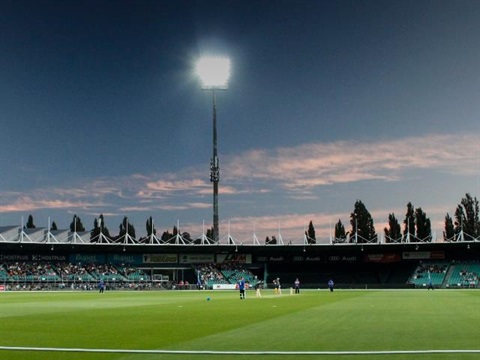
<point x="42" y="259"/>
<point x="464" y="275"/>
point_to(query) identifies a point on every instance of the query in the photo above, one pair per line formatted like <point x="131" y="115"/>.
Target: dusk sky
<point x="329" y="102"/>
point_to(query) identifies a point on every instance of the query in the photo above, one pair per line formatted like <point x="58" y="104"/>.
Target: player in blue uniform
<point x="330" y="284"/>
<point x="241" y="287"/>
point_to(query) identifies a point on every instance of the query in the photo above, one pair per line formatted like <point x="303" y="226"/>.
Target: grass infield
<point x="313" y="325"/>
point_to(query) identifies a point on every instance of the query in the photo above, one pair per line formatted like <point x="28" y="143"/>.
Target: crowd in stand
<point x="39" y="271"/>
<point x="84" y="276"/>
<point x="430" y="268"/>
<point x="24" y="269"/>
<point x="209" y="273"/>
<point x="68" y="269"/>
<point x="469" y="277"/>
<point x="225" y="273"/>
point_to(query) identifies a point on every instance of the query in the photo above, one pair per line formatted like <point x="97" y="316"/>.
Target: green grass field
<point x="313" y="321"/>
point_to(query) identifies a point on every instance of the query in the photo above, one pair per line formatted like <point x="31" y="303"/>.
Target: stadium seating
<point x="465" y="275"/>
<point x="47" y="275"/>
<point x="434" y="272"/>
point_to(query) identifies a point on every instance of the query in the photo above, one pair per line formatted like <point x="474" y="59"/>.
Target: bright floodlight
<point x="213" y="72"/>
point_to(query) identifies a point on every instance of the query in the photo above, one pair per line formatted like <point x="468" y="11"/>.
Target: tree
<point x="126" y="228"/>
<point x="76" y="224"/>
<point x="150" y="227"/>
<point x="271" y="241"/>
<point x="99" y="227"/>
<point x="166" y="236"/>
<point x="311" y="234"/>
<point x="340" y="234"/>
<point x="423" y="226"/>
<point x="394" y="232"/>
<point x="363" y="229"/>
<point x="30" y="224"/>
<point x="209" y="233"/>
<point x="53" y="227"/>
<point x="187" y="236"/>
<point x="449" y="233"/>
<point x="467" y="217"/>
<point x="409" y="222"/>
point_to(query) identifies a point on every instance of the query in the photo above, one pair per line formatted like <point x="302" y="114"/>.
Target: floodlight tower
<point x="214" y="73"/>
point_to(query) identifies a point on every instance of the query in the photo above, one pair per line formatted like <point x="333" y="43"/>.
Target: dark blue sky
<point x="328" y="102"/>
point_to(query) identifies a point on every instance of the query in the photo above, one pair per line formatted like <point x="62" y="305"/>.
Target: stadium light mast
<point x="214" y="73"/>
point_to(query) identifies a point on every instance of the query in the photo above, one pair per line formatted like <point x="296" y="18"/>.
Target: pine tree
<point x="467" y="217"/>
<point x="76" y="224"/>
<point x="449" y="232"/>
<point x="150" y="227"/>
<point x="30" y="224"/>
<point x="126" y="228"/>
<point x="311" y="234"/>
<point x="423" y="226"/>
<point x="394" y="232"/>
<point x="209" y="233"/>
<point x="340" y="234"/>
<point x="99" y="227"/>
<point x="362" y="224"/>
<point x="166" y="236"/>
<point x="409" y="223"/>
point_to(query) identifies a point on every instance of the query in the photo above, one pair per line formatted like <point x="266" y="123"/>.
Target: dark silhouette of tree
<point x="271" y="241"/>
<point x="99" y="227"/>
<point x="393" y="232"/>
<point x="76" y="224"/>
<point x="150" y="227"/>
<point x="126" y="228"/>
<point x="423" y="226"/>
<point x="166" y="236"/>
<point x="310" y="233"/>
<point x="449" y="232"/>
<point x="30" y="224"/>
<point x="409" y="222"/>
<point x="362" y="224"/>
<point x="209" y="233"/>
<point x="467" y="217"/>
<point x="340" y="234"/>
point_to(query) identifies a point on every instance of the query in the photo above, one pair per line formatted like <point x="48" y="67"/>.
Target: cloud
<point x="27" y="203"/>
<point x="293" y="173"/>
<point x="312" y="165"/>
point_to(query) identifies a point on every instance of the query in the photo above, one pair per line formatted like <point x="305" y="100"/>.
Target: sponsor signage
<point x="228" y="287"/>
<point x="234" y="258"/>
<point x="196" y="258"/>
<point x="124" y="259"/>
<point x="33" y="257"/>
<point x="271" y="259"/>
<point x="14" y="257"/>
<point x="382" y="258"/>
<point x="224" y="287"/>
<point x="160" y="258"/>
<point x="49" y="258"/>
<point x="87" y="258"/>
<point x="307" y="259"/>
<point x="417" y="255"/>
<point x="342" y="258"/>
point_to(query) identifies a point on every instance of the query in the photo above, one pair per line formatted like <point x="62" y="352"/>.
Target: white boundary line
<point x="211" y="352"/>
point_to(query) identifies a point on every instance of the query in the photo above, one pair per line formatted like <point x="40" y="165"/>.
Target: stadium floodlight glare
<point x="213" y="72"/>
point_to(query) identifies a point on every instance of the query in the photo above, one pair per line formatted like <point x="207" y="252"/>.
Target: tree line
<point x="464" y="225"/>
